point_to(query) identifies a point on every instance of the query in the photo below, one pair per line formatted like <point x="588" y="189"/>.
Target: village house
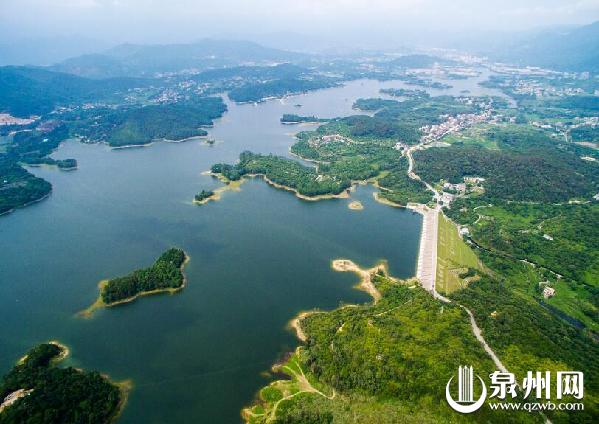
<point x="548" y="292"/>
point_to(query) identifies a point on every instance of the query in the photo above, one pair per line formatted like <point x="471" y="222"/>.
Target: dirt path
<point x="303" y="386"/>
<point x="481" y="339"/>
<point x="427" y="257"/>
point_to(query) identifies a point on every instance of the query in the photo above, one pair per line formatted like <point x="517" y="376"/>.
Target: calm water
<point x="257" y="258"/>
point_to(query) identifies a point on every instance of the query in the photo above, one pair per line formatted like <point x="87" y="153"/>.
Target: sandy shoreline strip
<point x="229" y="186"/>
<point x="158" y="140"/>
<point x="365" y="284"/>
<point x="343" y="195"/>
<point x="356" y="205"/>
<point x="295" y="324"/>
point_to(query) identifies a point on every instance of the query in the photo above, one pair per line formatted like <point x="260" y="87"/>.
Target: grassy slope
<point x="454" y="257"/>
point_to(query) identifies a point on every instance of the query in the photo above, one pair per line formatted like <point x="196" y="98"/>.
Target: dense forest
<point x="533" y="176"/>
<point x="404" y="92"/>
<point x="142" y="125"/>
<point x="58" y="395"/>
<point x="290" y="118"/>
<point x="401" y="189"/>
<point x="165" y="273"/>
<point x="19" y="187"/>
<point x="287" y="172"/>
<point x="259" y="91"/>
<point x="26" y="91"/>
<point x="525" y="335"/>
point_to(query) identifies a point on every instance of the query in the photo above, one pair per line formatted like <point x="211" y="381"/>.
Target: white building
<point x="548" y="292"/>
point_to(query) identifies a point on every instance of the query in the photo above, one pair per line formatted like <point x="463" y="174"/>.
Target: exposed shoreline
<point x="355" y="205"/>
<point x="343" y="195"/>
<point x="99" y="303"/>
<point x="125" y="387"/>
<point x="295" y="324"/>
<point x="158" y="140"/>
<point x="365" y="284"/>
<point x="217" y="193"/>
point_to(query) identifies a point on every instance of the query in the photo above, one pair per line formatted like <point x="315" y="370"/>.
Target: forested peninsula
<point x="37" y="391"/>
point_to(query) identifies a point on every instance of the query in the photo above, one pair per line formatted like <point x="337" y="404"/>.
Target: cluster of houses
<point x="325" y="139"/>
<point x="538" y="89"/>
<point x="451" y="191"/>
<point x="452" y="125"/>
<point x="7" y="119"/>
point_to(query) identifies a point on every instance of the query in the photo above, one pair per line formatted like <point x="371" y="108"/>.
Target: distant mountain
<point x="27" y="90"/>
<point x="568" y="49"/>
<point x="46" y="51"/>
<point x="148" y="60"/>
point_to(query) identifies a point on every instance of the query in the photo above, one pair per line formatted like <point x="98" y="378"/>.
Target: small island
<point x="37" y="388"/>
<point x="355" y="205"/>
<point x="203" y="197"/>
<point x="290" y="119"/>
<point x="164" y="276"/>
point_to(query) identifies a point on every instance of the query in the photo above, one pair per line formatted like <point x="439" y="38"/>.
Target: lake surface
<point x="258" y="257"/>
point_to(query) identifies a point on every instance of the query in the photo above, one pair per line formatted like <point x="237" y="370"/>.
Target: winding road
<point x="426" y="271"/>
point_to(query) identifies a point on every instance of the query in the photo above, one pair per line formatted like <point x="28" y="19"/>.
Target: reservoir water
<point x="258" y="257"/>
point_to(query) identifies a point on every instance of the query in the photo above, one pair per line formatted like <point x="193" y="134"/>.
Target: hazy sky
<point x="185" y="20"/>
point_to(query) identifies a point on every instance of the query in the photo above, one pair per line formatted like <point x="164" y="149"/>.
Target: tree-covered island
<point x="290" y="118"/>
<point x="37" y="391"/>
<point x="164" y="276"/>
<point x="203" y="197"/>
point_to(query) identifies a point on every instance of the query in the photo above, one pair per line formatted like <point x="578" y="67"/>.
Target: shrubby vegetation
<point x="58" y="395"/>
<point x="387" y="355"/>
<point x="166" y="273"/>
<point x="386" y="362"/>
